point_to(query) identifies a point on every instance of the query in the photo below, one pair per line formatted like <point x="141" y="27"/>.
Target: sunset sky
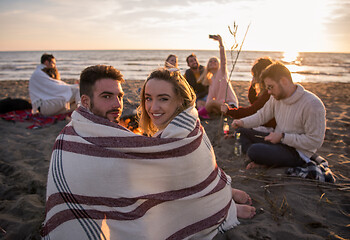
<point x="276" y="25"/>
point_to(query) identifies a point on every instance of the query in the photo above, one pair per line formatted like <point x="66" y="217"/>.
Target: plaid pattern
<point x="316" y="169"/>
<point x="37" y="119"/>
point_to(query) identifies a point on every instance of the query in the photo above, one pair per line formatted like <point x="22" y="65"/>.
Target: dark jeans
<point x="266" y="153"/>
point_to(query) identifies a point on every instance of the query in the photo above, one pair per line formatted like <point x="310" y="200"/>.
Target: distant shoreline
<point x="194" y="50"/>
<point x="137" y="64"/>
<point x="19" y="88"/>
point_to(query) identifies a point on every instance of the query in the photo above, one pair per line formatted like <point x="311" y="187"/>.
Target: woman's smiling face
<point x="161" y="102"/>
<point x="173" y="61"/>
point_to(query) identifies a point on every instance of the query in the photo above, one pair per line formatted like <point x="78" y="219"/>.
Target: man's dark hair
<point x="276" y="71"/>
<point x="192" y="55"/>
<point x="90" y="75"/>
<point x="260" y="65"/>
<point x="46" y="57"/>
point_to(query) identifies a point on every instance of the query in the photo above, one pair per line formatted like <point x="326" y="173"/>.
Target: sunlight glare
<point x="295" y="71"/>
<point x="298" y="77"/>
<point x="292" y="62"/>
<point x="296" y="26"/>
<point x="290" y="56"/>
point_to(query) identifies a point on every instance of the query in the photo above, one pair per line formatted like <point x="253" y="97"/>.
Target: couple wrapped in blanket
<point x="164" y="187"/>
<point x="106" y="182"/>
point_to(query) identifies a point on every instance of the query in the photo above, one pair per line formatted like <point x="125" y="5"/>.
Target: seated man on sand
<point x="48" y="95"/>
<point x="301" y="123"/>
<point x="192" y="75"/>
<point x="105" y="181"/>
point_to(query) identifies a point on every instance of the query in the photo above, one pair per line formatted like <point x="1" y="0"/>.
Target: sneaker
<point x="203" y="113"/>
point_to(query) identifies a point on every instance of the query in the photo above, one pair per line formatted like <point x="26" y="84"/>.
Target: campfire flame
<point x="105" y="232"/>
<point x="131" y="124"/>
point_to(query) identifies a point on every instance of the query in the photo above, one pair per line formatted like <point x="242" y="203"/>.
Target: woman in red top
<point x="257" y="95"/>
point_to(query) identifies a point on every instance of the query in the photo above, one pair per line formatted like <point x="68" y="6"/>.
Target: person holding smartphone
<point x="216" y="77"/>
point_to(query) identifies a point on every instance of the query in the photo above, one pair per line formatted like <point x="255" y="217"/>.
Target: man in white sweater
<point x="301" y="123"/>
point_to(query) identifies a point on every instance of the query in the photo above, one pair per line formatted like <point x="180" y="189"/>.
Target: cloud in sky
<point x="291" y="25"/>
<point x="338" y="25"/>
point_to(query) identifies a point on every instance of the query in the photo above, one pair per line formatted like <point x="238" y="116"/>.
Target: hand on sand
<point x="245" y="211"/>
<point x="240" y="196"/>
<point x="227" y="136"/>
<point x="253" y="165"/>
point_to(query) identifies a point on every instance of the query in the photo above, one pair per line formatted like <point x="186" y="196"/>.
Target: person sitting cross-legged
<point x="300" y="123"/>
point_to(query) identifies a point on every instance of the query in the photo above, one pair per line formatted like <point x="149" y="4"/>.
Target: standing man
<point x="192" y="74"/>
<point x="301" y="123"/>
<point x="51" y="96"/>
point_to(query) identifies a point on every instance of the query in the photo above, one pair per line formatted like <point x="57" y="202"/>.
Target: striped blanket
<point x="37" y="119"/>
<point x="106" y="182"/>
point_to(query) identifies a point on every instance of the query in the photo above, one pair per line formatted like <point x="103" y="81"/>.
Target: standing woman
<point x="167" y="110"/>
<point x="216" y="77"/>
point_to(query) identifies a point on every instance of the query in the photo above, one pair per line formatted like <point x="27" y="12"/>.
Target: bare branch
<point x="233" y="48"/>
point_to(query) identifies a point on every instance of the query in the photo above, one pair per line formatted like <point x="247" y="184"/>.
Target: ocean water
<point x="137" y="64"/>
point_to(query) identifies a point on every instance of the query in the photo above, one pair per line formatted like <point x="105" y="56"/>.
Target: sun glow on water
<point x="292" y="62"/>
<point x="295" y="71"/>
<point x="298" y="77"/>
<point x="290" y="56"/>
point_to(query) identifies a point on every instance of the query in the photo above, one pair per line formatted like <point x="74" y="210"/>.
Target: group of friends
<point x="165" y="184"/>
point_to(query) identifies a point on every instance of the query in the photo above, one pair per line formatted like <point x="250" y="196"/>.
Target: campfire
<point x="130" y="122"/>
<point x="105" y="231"/>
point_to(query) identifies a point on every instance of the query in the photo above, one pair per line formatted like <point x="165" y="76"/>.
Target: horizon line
<point x="66" y="50"/>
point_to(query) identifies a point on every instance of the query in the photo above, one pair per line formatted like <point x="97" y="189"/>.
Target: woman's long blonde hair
<point x="205" y="77"/>
<point x="181" y="88"/>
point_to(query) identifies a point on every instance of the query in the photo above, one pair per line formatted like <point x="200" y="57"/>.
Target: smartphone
<point x="211" y="36"/>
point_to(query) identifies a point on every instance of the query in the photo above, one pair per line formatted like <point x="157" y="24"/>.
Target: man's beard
<point x="100" y="114"/>
<point x="195" y="67"/>
<point x="115" y="120"/>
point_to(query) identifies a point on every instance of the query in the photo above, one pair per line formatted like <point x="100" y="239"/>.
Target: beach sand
<point x="287" y="207"/>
